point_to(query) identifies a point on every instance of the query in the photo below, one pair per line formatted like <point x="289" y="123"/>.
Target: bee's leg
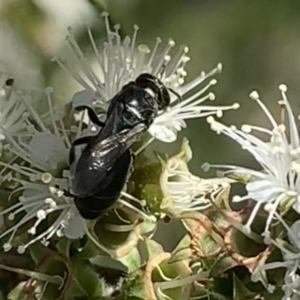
<point x="67" y="193"/>
<point x="82" y="140"/>
<point x="176" y="94"/>
<point x="131" y="169"/>
<point x="133" y="155"/>
<point x="92" y="115"/>
<point x="77" y="142"/>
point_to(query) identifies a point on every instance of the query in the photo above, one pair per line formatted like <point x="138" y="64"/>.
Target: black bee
<point x="100" y="172"/>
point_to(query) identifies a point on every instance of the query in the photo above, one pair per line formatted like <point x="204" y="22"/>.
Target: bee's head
<point x="156" y="87"/>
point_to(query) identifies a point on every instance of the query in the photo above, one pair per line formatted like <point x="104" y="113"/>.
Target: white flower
<point x="12" y="110"/>
<point x="184" y="192"/>
<point x="45" y="181"/>
<point x="122" y="60"/>
<point x="278" y="156"/>
<point x="291" y="262"/>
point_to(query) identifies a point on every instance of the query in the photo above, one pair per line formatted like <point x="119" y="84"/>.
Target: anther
<point x="41" y="214"/>
<point x="283" y="88"/>
<point x="105" y="14"/>
<point x="46" y="178"/>
<point x="219" y="113"/>
<point x="211" y="96"/>
<point x="171" y="43"/>
<point x="254" y="95"/>
<point x="206" y="167"/>
<point x="144" y="48"/>
<point x="21" y="249"/>
<point x="236" y="198"/>
<point x="246" y="128"/>
<point x="213" y="82"/>
<point x="11" y="216"/>
<point x="7" y="247"/>
<point x="236" y="105"/>
<point x="210" y="120"/>
<point x="32" y="231"/>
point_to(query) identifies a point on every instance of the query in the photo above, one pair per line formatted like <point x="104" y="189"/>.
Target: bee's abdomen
<point x="92" y="207"/>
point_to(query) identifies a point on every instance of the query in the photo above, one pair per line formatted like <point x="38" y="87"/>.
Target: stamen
<point x="294" y="134"/>
<point x="132" y="207"/>
<point x="81" y="59"/>
<point x="153" y="54"/>
<point x="163" y="54"/>
<point x="133" y="41"/>
<point x="198" y="80"/>
<point x="65" y="67"/>
<point x="255" y="96"/>
<point x="33" y="113"/>
<point x="46" y="178"/>
<point x="93" y="239"/>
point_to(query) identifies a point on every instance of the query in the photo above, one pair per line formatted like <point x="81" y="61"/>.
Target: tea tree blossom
<point x="277" y="183"/>
<point x="120" y="61"/>
<point x="43" y="182"/>
<point x="183" y="191"/>
<point x="291" y="262"/>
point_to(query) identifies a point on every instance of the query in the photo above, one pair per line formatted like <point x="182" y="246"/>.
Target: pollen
<point x="46" y="177"/>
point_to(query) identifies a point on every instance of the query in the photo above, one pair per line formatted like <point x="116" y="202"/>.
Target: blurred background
<point x="258" y="43"/>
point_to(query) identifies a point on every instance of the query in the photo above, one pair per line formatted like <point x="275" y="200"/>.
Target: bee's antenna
<point x="176" y="94"/>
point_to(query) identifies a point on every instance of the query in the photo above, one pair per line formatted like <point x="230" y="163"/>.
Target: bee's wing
<point x="105" y="153"/>
<point x="94" y="166"/>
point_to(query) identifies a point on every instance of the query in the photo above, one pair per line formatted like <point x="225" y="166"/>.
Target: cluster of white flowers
<point x="43" y="180"/>
<point x="119" y="61"/>
<point x="275" y="186"/>
<point x="41" y="145"/>
<point x="279" y="158"/>
<point x="291" y="262"/>
<point x="185" y="192"/>
<point x="39" y="149"/>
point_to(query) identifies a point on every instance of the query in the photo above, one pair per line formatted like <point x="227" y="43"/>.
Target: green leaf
<point x="182" y="251"/>
<point x="63" y="246"/>
<point x="147" y="227"/>
<point x="153" y="248"/>
<point x="132" y="260"/>
<point x="75" y="291"/>
<point x="88" y="251"/>
<point x="108" y="262"/>
<point x="88" y="280"/>
<point x="222" y="286"/>
<point x="134" y="287"/>
<point x="221" y="265"/>
<point x="205" y="240"/>
<point x="38" y="252"/>
<point x="240" y="291"/>
<point x="153" y="194"/>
